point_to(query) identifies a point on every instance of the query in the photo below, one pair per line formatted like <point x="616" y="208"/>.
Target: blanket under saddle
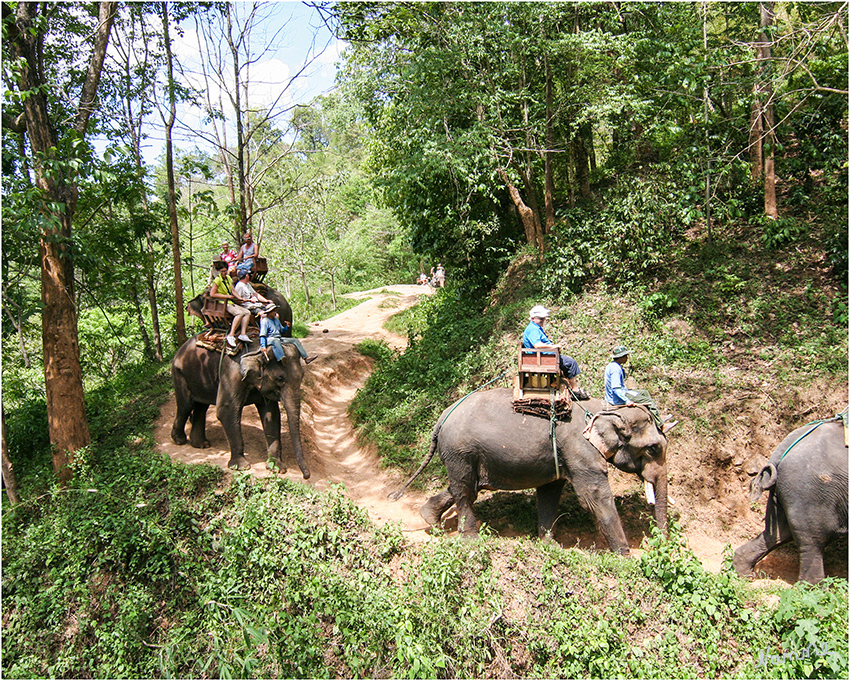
<point x="214" y="340"/>
<point x="542" y="407"/>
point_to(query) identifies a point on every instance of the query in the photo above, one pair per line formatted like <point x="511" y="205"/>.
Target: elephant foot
<point x="742" y="565"/>
<point x="306" y="473"/>
<point x="203" y="445"/>
<point x="275" y="465"/>
<point x="239" y="463"/>
<point x="432" y="510"/>
<point x="179" y="438"/>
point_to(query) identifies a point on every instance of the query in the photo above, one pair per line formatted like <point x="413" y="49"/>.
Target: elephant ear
<point x="251" y="368"/>
<point x="605" y="432"/>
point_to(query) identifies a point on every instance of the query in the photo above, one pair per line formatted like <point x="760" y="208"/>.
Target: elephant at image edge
<point x="485" y="444"/>
<point x="246" y="378"/>
<point x="807" y="500"/>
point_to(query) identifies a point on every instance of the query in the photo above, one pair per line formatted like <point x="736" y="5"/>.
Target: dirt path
<point x="330" y="383"/>
<point x="335" y="456"/>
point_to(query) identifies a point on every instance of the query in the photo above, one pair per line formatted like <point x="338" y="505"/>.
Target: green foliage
<point x="146" y="568"/>
<point x="622" y="240"/>
<point x="811" y="623"/>
<point x="781" y="232"/>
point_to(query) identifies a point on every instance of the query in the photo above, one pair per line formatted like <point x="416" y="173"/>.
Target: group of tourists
<point x="437" y="279"/>
<point x="246" y="257"/>
<point x="243" y="301"/>
<point x="616" y="392"/>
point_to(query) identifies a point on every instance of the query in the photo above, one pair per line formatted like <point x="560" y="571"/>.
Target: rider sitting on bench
<point x="535" y="337"/>
<point x="222" y="288"/>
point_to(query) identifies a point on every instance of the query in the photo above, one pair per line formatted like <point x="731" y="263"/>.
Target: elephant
<point x="807" y="502"/>
<point x="203" y="377"/>
<point x="485" y="444"/>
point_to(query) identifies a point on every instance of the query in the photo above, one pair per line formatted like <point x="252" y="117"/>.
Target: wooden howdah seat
<point x="539" y="373"/>
<point x="214" y="311"/>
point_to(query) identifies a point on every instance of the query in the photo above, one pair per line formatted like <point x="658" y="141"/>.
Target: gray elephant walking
<point x="807" y="482"/>
<point x="202" y="378"/>
<point x="485" y="444"/>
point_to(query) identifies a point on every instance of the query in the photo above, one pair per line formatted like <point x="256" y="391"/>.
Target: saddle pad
<point x="214" y="340"/>
<point x="541" y="407"/>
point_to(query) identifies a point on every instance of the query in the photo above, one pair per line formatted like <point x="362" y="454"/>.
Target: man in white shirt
<point x="248" y="296"/>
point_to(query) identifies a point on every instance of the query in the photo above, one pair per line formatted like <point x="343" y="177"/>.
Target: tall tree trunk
<point x="764" y="103"/>
<point x="172" y="192"/>
<point x="66" y="412"/>
<point x="240" y="132"/>
<point x="549" y="154"/>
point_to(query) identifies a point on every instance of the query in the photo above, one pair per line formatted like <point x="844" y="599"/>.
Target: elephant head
<point x="278" y="381"/>
<point x="630" y="440"/>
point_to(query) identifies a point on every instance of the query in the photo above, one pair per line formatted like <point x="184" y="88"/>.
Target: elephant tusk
<point x="650" y="492"/>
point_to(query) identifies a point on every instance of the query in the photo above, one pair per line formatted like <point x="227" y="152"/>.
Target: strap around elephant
<point x="814" y="425"/>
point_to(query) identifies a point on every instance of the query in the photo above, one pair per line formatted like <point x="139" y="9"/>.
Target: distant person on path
<point x="423" y="279"/>
<point x="248" y="296"/>
<point x="440" y="276"/>
<point x="272" y="329"/>
<point x="534" y="337"/>
<point x="617" y="394"/>
<point x="248" y="252"/>
<point x="222" y="289"/>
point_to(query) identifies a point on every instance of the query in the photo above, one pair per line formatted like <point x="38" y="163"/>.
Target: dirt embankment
<point x="711" y="501"/>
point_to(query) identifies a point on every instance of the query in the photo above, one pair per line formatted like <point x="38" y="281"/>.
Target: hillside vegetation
<point x="146" y="568"/>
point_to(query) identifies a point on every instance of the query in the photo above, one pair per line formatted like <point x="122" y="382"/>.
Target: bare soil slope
<point x="708" y="487"/>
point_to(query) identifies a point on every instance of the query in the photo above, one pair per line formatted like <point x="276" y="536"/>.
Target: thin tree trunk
<point x="240" y="133"/>
<point x="530" y="221"/>
<point x="9" y="480"/>
<point x="18" y="323"/>
<point x="764" y="103"/>
<point x="705" y="107"/>
<point x="172" y="193"/>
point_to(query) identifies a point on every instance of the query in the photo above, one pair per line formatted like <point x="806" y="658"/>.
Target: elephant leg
<point x="464" y="497"/>
<point x="198" y="435"/>
<point x="776" y="532"/>
<point x="433" y="509"/>
<point x="811" y="561"/>
<point x="548" y="500"/>
<point x="230" y="416"/>
<point x="185" y="404"/>
<point x="594" y="492"/>
<point x="270" y="415"/>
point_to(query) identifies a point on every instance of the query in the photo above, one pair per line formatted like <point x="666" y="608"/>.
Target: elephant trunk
<point x="291" y="399"/>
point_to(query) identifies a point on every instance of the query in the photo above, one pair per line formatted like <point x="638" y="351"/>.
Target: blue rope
<point x="456" y="404"/>
<point x="814" y="425"/>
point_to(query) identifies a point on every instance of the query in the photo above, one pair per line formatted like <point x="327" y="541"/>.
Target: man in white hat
<point x="535" y="337"/>
<point x="272" y="329"/>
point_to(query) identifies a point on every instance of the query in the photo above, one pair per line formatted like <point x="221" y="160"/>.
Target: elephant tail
<point x="765" y="479"/>
<point x="395" y="496"/>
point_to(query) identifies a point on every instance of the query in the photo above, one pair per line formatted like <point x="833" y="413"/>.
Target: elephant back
<point x="284" y="310"/>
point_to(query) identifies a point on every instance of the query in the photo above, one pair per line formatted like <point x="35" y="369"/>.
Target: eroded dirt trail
<point x="330" y="383"/>
<point x="335" y="456"/>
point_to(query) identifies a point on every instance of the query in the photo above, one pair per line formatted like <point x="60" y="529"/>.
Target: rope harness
<point x="814" y="425"/>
